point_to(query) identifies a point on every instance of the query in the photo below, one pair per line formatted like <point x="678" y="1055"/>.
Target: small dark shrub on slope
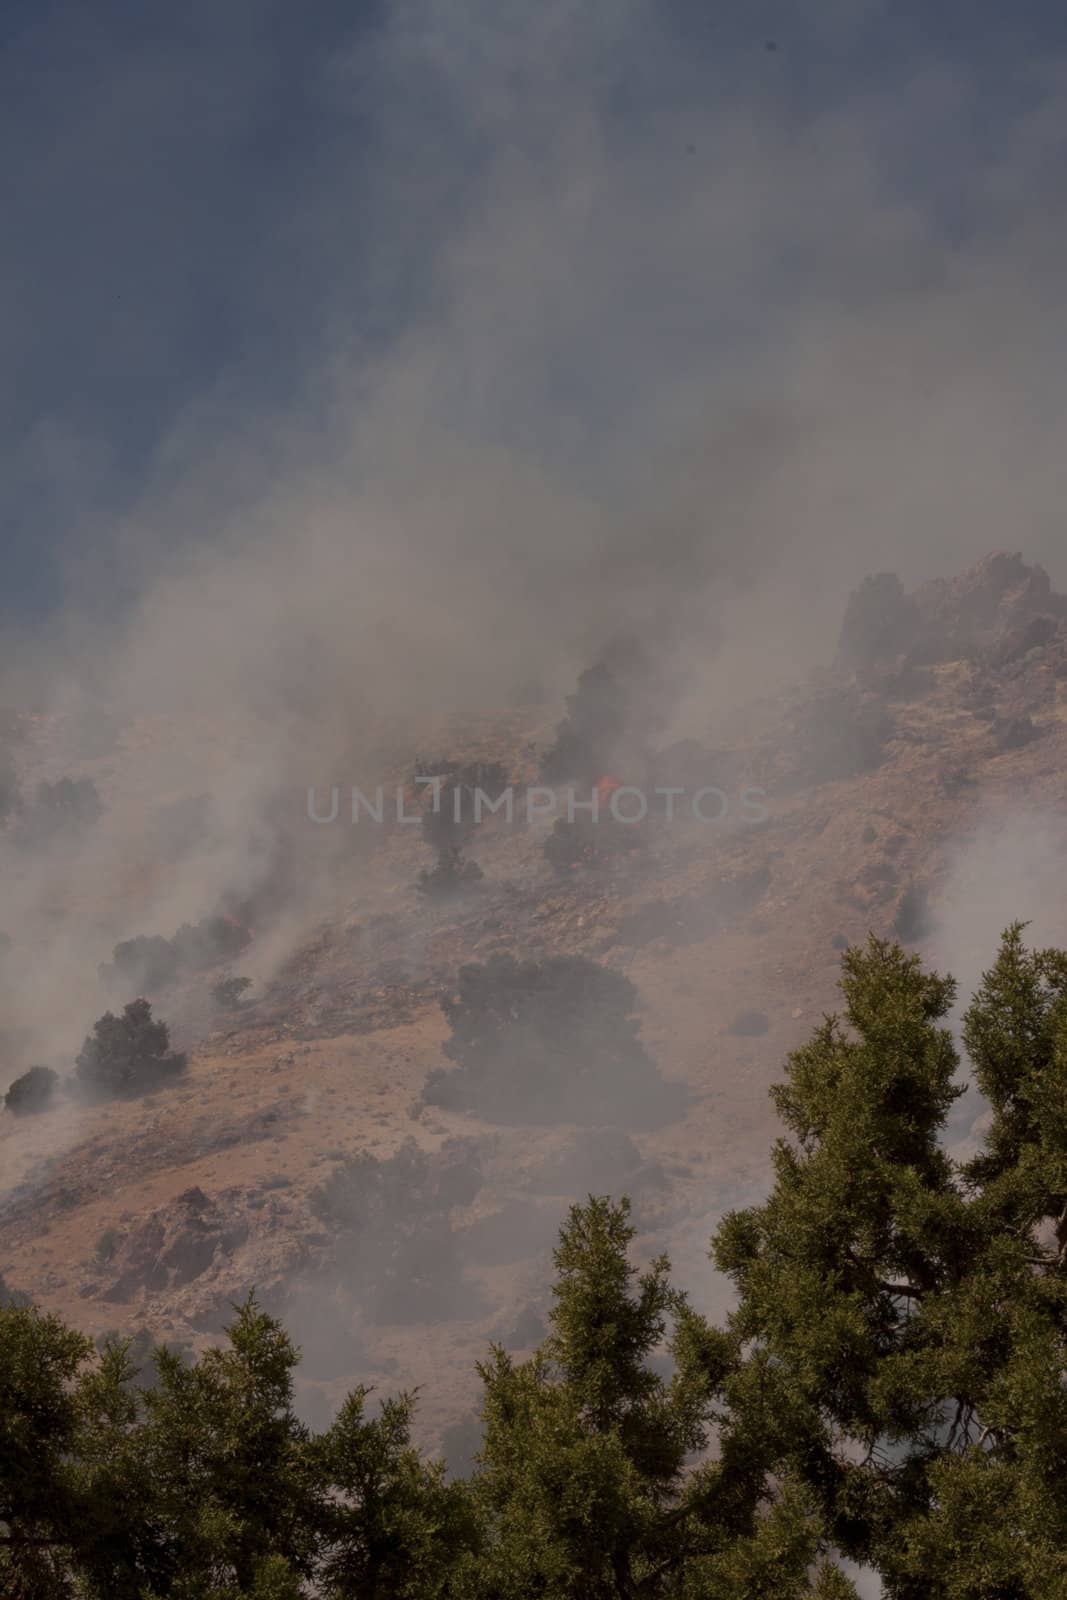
<point x="549" y="1041"/>
<point x="228" y="993"/>
<point x="127" y="1055"/>
<point x="150" y="962"/>
<point x="394" y="1240"/>
<point x="32" y="1092"/>
<point x="450" y="876"/>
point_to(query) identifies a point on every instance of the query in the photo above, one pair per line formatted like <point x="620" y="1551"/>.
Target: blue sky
<point x="197" y="196"/>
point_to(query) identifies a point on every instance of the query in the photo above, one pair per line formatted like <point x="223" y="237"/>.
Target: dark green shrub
<point x="32" y="1092"/>
<point x="127" y="1055"/>
<point x="548" y="1041"/>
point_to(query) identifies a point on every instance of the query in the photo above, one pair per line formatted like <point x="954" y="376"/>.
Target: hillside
<point x="941" y="724"/>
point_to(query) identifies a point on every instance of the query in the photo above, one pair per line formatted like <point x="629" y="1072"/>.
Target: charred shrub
<point x="151" y="962"/>
<point x="880" y="623"/>
<point x="364" y="1192"/>
<point x="451" y="875"/>
<point x="394" y="1238"/>
<point x="451" y="816"/>
<point x="548" y="1041"/>
<point x="614" y="714"/>
<point x="127" y="1055"/>
<point x="583" y="843"/>
<point x="447" y="831"/>
<point x="228" y="993"/>
<point x="32" y="1092"/>
<point x="570" y="846"/>
<point x="148" y="962"/>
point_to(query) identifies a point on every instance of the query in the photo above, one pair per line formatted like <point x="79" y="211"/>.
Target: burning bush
<point x="548" y="1041"/>
<point x="395" y="1240"/>
<point x="32" y="1092"/>
<point x="127" y="1055"/>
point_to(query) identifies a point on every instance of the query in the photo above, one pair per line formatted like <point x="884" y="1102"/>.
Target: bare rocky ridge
<point x="162" y="1212"/>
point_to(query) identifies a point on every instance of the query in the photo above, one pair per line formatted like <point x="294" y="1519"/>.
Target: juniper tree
<point x="913" y="1311"/>
<point x="549" y="1041"/>
<point x="128" y="1054"/>
<point x="594" y="1479"/>
<point x="32" y="1092"/>
<point x="393" y="1528"/>
<point x="234" y="1490"/>
<point x="40" y="1426"/>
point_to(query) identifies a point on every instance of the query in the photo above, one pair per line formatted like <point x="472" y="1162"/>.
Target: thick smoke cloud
<point x="671" y="345"/>
<point x="611" y="337"/>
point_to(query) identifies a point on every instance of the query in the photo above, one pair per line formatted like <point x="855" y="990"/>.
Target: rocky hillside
<point x="398" y="1231"/>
